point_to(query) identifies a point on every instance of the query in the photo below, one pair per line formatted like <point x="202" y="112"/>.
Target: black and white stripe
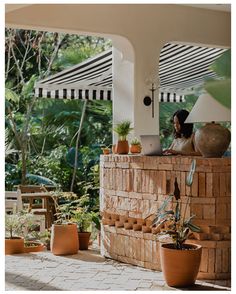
<point x="181" y="69"/>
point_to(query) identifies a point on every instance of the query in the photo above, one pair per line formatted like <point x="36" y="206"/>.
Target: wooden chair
<point x="13" y="201"/>
<point x="43" y="208"/>
<point x="13" y="204"/>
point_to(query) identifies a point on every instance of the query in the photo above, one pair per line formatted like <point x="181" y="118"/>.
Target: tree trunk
<point x="23" y="168"/>
<point x="77" y="145"/>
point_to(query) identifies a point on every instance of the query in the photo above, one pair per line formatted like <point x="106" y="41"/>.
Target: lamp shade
<point x="207" y="109"/>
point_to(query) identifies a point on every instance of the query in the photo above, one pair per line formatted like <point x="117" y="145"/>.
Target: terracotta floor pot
<point x="14" y="246"/>
<point x="122" y="147"/>
<point x="84" y="240"/>
<point x="38" y="247"/>
<point x="180" y="267"/>
<point x="64" y="239"/>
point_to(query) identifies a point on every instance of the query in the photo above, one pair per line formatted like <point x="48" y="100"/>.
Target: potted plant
<point x="31" y="241"/>
<point x="123" y="129"/>
<point x="106" y="150"/>
<point x="179" y="261"/>
<point x="135" y="146"/>
<point x="14" y="243"/>
<point x="64" y="237"/>
<point x="83" y="219"/>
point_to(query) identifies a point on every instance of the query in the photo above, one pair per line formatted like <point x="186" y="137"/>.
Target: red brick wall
<point x="136" y="186"/>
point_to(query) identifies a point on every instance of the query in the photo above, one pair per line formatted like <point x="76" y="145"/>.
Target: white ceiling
<point x="221" y="7"/>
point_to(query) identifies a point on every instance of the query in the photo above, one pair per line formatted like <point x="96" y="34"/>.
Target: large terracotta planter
<point x="180" y="267"/>
<point x="84" y="240"/>
<point x="122" y="147"/>
<point x="36" y="247"/>
<point x="14" y="246"/>
<point x="64" y="239"/>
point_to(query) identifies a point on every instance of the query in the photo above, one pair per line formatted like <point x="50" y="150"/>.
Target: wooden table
<point x="48" y="207"/>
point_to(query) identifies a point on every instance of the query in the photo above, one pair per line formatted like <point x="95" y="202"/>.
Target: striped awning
<point x="181" y="69"/>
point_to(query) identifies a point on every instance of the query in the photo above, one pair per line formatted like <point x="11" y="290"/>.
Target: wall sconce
<point x="147" y="100"/>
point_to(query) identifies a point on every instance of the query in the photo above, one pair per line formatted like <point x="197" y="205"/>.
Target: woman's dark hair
<point x="185" y="129"/>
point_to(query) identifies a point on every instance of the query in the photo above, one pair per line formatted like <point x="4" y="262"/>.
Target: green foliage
<point x="123" y="129"/>
<point x="135" y="141"/>
<point x="175" y="225"/>
<point x="82" y="218"/>
<point x="18" y="224"/>
<point x="221" y="89"/>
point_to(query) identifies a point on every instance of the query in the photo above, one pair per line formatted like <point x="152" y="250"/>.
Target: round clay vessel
<point x="64" y="239"/>
<point x="122" y="147"/>
<point x="38" y="247"/>
<point x="135" y="149"/>
<point x="180" y="267"/>
<point x="14" y="246"/>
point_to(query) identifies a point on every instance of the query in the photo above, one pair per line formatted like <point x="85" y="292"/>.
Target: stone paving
<point x="87" y="270"/>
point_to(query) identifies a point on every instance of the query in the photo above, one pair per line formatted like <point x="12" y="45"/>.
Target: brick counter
<point x="135" y="186"/>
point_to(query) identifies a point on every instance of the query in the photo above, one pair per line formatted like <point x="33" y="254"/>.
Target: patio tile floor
<point x="87" y="270"/>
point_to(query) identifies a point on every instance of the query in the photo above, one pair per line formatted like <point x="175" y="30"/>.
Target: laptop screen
<point x="151" y="145"/>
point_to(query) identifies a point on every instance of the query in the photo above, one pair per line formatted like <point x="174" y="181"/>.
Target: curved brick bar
<point x="134" y="186"/>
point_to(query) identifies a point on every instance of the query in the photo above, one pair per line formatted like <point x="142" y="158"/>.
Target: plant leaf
<point x="220" y="90"/>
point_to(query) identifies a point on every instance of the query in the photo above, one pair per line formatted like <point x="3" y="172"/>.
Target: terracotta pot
<point x="38" y="247"/>
<point x="135" y="149"/>
<point x="106" y="151"/>
<point x="128" y="226"/>
<point x="146" y="229"/>
<point x="14" y="246"/>
<point x="84" y="240"/>
<point x="180" y="267"/>
<point x="137" y="227"/>
<point x="64" y="239"/>
<point x="122" y="147"/>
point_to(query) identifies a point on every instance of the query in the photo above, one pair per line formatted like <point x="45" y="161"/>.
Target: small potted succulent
<point x="179" y="261"/>
<point x="122" y="129"/>
<point x="135" y="146"/>
<point x="83" y="220"/>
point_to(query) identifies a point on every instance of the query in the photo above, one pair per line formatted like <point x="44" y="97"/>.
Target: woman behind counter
<point x="183" y="143"/>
